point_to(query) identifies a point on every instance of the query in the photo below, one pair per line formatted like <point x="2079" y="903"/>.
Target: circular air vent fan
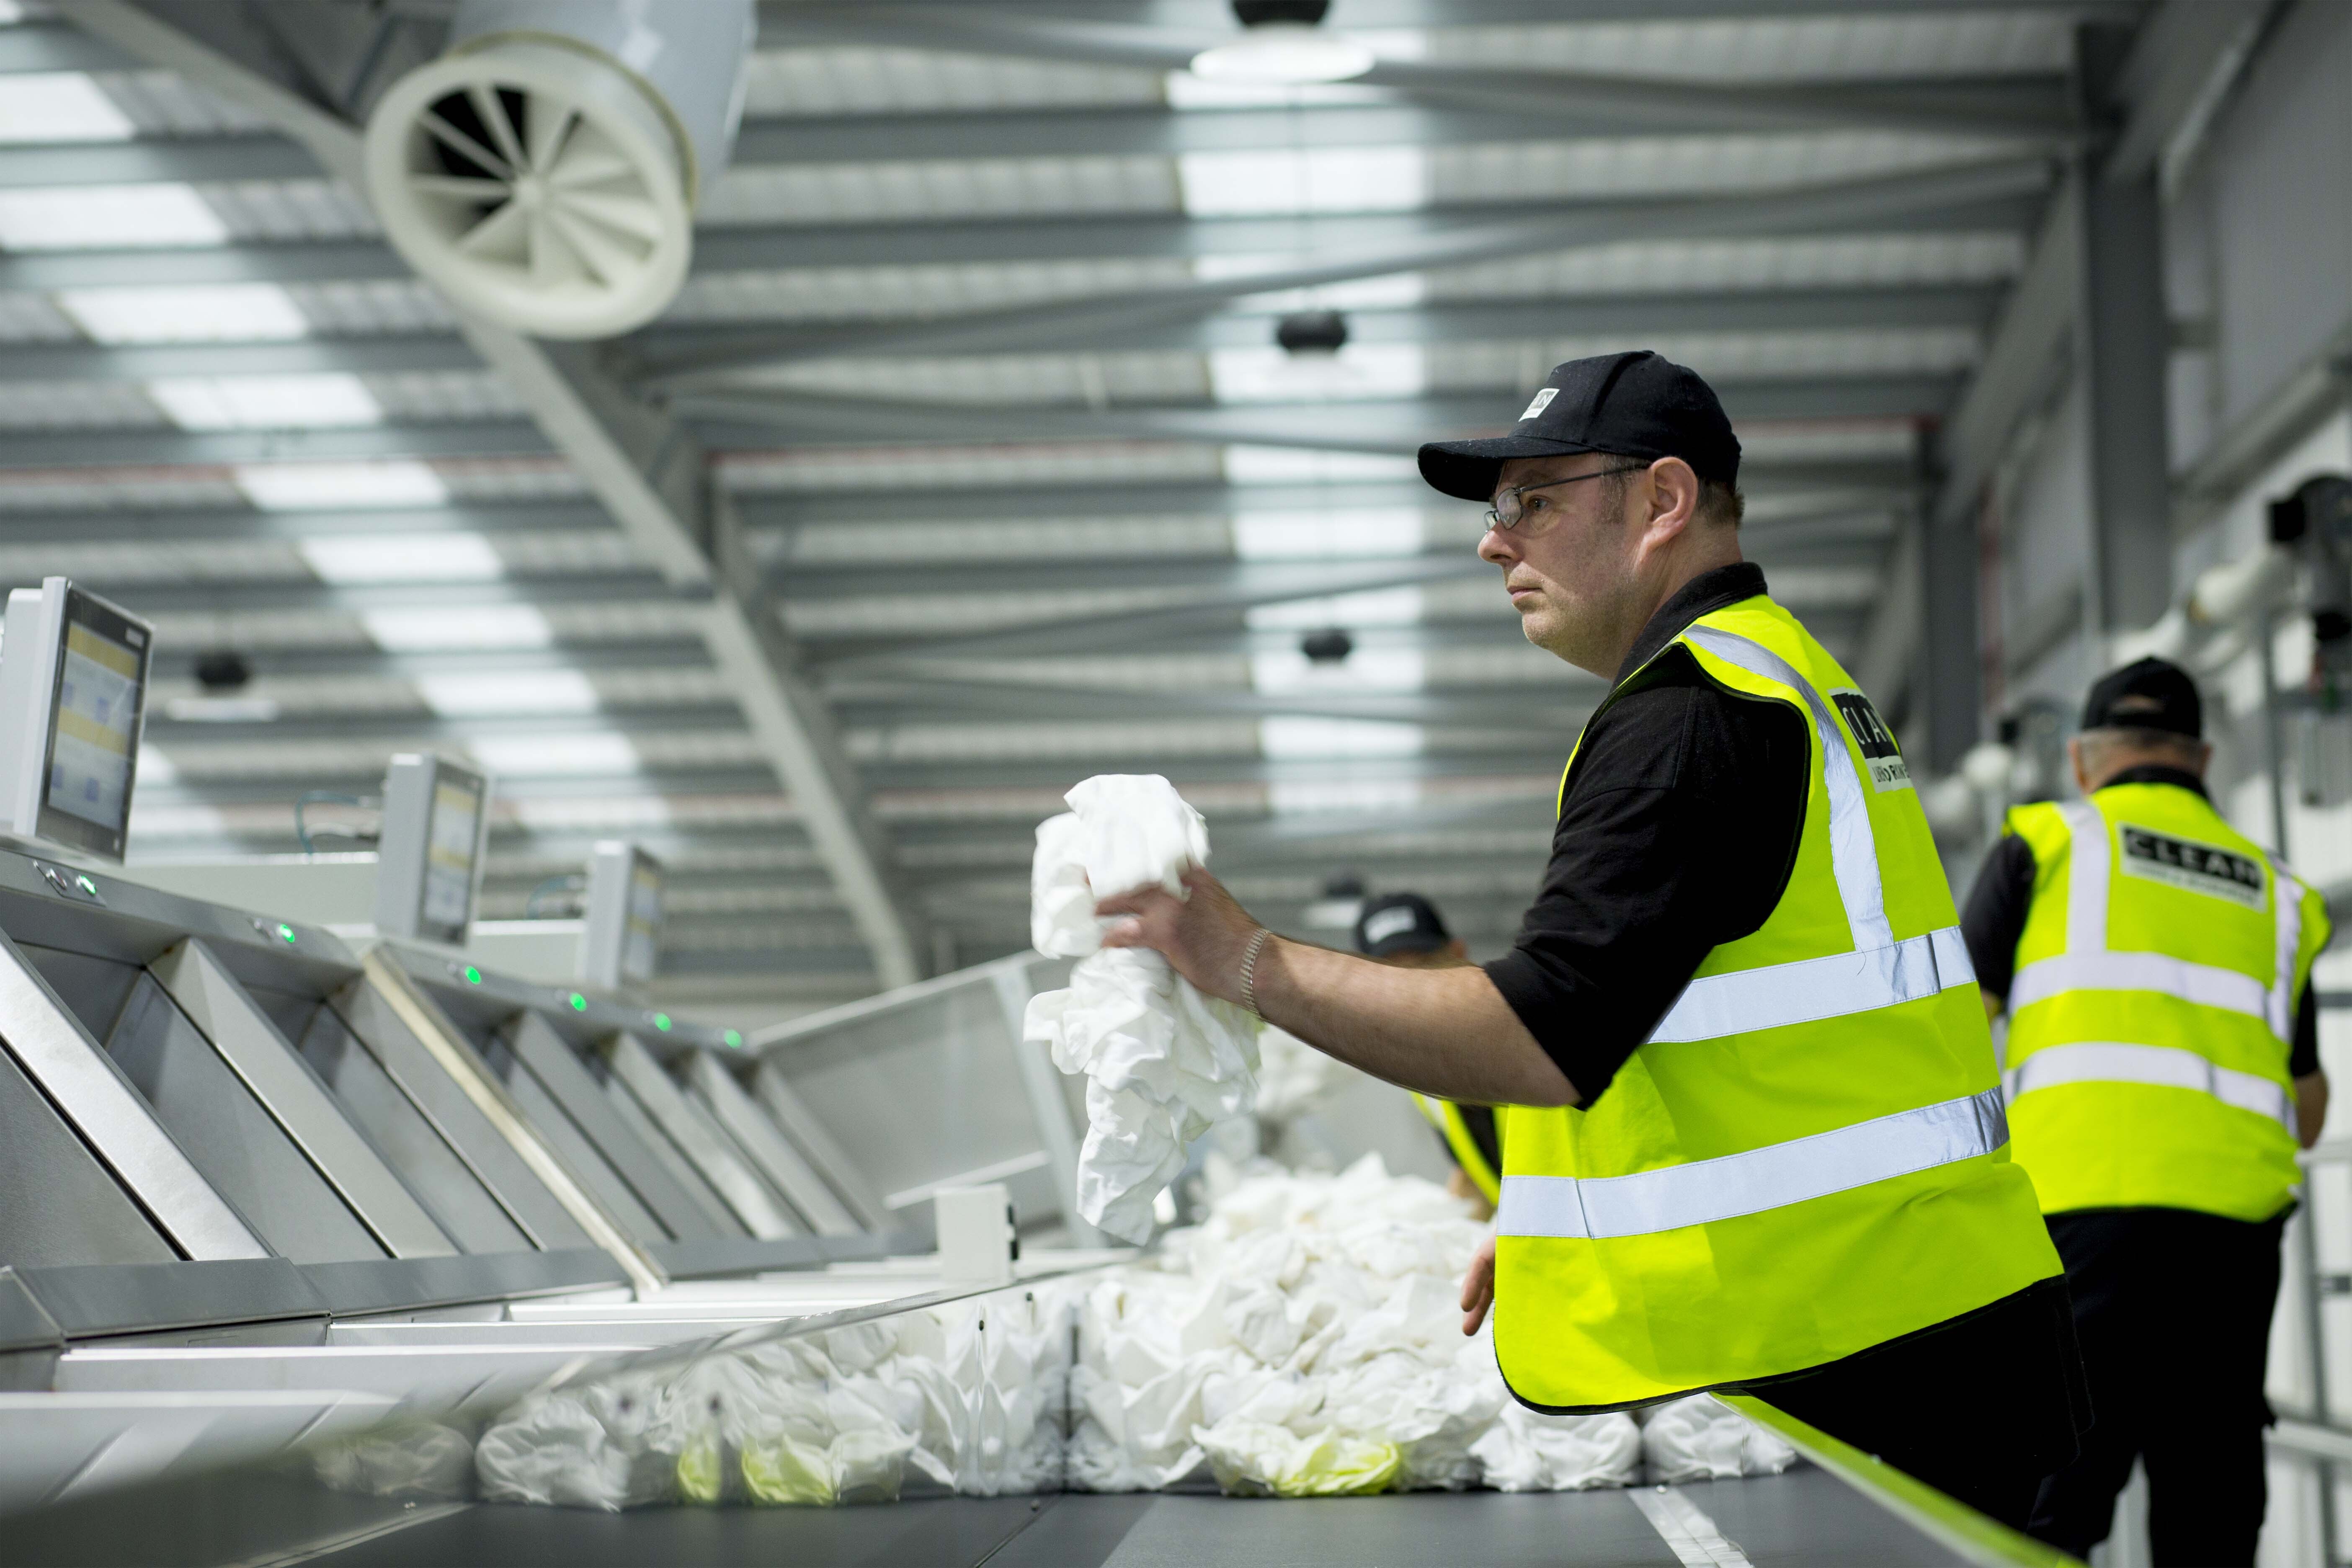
<point x="542" y="182"/>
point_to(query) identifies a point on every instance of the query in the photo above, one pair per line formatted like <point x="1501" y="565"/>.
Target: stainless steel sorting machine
<point x="273" y="1207"/>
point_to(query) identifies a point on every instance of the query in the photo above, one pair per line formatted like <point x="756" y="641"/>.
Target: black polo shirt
<point x="1676" y="836"/>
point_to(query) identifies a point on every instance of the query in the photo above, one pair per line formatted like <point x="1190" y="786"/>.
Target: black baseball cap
<point x="1400" y="922"/>
<point x="2150" y="694"/>
<point x="1638" y="404"/>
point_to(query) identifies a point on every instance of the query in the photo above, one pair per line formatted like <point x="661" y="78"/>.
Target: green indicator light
<point x="473" y="975"/>
<point x="579" y="1003"/>
<point x="661" y="1022"/>
<point x="286" y="933"/>
<point x="734" y="1037"/>
<point x="87" y="886"/>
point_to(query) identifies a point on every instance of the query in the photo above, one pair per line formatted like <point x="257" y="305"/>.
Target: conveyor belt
<point x="1807" y="1518"/>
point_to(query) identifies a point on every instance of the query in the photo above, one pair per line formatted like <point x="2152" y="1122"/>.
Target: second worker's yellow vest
<point x="1808" y="1156"/>
<point x="1446" y="1117"/>
<point x="2152" y="1013"/>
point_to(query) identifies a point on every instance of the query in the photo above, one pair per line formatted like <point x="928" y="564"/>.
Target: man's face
<point x="1569" y="564"/>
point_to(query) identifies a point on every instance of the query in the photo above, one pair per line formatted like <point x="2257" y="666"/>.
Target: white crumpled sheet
<point x="1305" y="1341"/>
<point x="1312" y="1322"/>
<point x="968" y="1396"/>
<point x="1162" y="1061"/>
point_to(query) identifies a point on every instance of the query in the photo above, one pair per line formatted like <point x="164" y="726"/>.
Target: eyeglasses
<point x="1508" y="511"/>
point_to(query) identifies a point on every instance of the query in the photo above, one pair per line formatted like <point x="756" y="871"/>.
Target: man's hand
<point x="1205" y="937"/>
<point x="1478" y="1288"/>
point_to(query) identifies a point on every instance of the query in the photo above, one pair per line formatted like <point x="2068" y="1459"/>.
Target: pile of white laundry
<point x="1162" y="1060"/>
<point x="1304" y="1341"/>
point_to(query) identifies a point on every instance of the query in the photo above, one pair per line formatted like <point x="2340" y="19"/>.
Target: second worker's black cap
<point x="2149" y="694"/>
<point x="1400" y="922"/>
<point x="1638" y="404"/>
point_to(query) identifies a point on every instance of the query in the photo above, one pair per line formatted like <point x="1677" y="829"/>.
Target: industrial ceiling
<point x="967" y="463"/>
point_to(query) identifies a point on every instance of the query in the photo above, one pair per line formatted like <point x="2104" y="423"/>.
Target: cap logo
<point x="1542" y="401"/>
<point x="1387" y="923"/>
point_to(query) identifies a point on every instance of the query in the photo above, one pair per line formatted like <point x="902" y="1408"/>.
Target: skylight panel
<point x="594" y="751"/>
<point x="305" y="487"/>
<point x="1308" y="797"/>
<point x="1277" y="181"/>
<point x="1296" y="735"/>
<point x="418" y="628"/>
<point x="515" y="691"/>
<point x="1357" y="373"/>
<point x="403" y="558"/>
<point x="1389" y="292"/>
<point x="220" y="312"/>
<point x="1374" y="607"/>
<point x="99" y="217"/>
<point x="1308" y="536"/>
<point x="1301" y="466"/>
<point x="59" y="106"/>
<point x="332" y="399"/>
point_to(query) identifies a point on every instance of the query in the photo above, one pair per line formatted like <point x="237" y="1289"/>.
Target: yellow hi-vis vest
<point x="1446" y="1117"/>
<point x="1807" y="1157"/>
<point x="2152" y="1013"/>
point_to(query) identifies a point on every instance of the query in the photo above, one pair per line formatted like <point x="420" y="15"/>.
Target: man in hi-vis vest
<point x="1406" y="930"/>
<point x="2163" y="1066"/>
<point x="1753" y="1135"/>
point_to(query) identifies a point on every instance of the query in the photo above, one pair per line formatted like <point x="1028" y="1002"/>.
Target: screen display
<point x="450" y="837"/>
<point x="94" y="726"/>
<point x="641" y="942"/>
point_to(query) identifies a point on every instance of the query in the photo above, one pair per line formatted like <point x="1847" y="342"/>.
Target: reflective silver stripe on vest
<point x="1854" y="851"/>
<point x="1774" y="1177"/>
<point x="2106" y="1061"/>
<point x="2287" y="896"/>
<point x="2088" y="965"/>
<point x="1815" y="988"/>
<point x="2202" y="984"/>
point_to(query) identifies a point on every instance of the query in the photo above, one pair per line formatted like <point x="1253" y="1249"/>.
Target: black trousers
<point x="1981" y="1408"/>
<point x="2173" y="1310"/>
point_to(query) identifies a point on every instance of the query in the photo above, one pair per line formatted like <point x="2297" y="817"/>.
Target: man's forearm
<point x="1444" y="1032"/>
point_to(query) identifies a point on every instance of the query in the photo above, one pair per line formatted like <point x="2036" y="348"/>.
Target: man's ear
<point x="1672" y="489"/>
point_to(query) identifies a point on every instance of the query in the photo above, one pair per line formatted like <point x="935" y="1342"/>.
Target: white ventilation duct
<point x="544" y="171"/>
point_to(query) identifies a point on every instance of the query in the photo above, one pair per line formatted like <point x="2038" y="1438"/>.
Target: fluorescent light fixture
<point x="1358" y="370"/>
<point x="1299" y="736"/>
<point x="1389" y="292"/>
<point x="420" y="628"/>
<point x="305" y="487"/>
<point x="1301" y="466"/>
<point x="60" y="106"/>
<point x="517" y="756"/>
<point x="1186" y="90"/>
<point x="100" y="217"/>
<point x="197" y="313"/>
<point x="1374" y="607"/>
<point x="403" y="558"/>
<point x="1275" y="182"/>
<point x="515" y="691"/>
<point x="1327" y="536"/>
<point x="221" y="709"/>
<point x="1310" y="797"/>
<point x="11" y="13"/>
<point x="265" y="402"/>
<point x="1276" y="53"/>
<point x="1286" y="670"/>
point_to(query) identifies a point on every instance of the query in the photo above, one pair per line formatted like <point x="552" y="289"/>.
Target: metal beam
<point x="1640" y="103"/>
<point x="189" y="524"/>
<point x="1757" y="310"/>
<point x="1070" y="237"/>
<point x="649" y="474"/>
<point x="149" y="447"/>
<point x="746" y="421"/>
<point x="1825" y="205"/>
<point x="2182" y="58"/>
<point x="871" y="705"/>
